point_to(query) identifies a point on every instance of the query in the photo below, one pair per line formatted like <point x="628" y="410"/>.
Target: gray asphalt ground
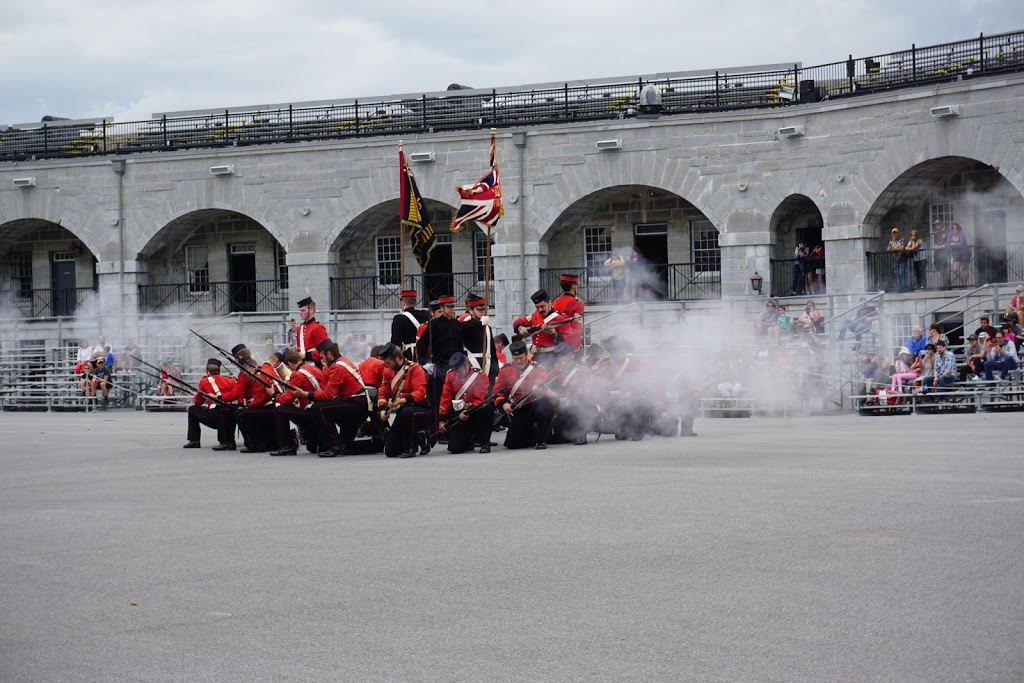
<point x="816" y="549"/>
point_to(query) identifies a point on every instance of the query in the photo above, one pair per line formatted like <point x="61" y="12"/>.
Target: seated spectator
<point x="100" y="379"/>
<point x="1001" y="356"/>
<point x="109" y="358"/>
<point x="944" y="372"/>
<point x="783" y="320"/>
<point x="984" y="326"/>
<point x="1016" y="301"/>
<point x="767" y="321"/>
<point x="974" y="358"/>
<point x="935" y="334"/>
<point x="875" y="370"/>
<point x="916" y="341"/>
<point x="907" y="369"/>
<point x="84" y="353"/>
<point x="927" y="363"/>
<point x="811" y="323"/>
<point x="865" y="316"/>
<point x="168" y="371"/>
<point x="1011" y="328"/>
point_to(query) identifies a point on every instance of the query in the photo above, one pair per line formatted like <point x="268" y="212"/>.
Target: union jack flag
<point x="481" y="202"/>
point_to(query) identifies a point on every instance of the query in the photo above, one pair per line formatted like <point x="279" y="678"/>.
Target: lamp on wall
<point x="755" y="282"/>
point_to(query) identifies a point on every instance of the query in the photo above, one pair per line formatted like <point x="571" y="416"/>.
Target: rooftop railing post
<point x="566" y="91"/>
<point x="981" y="52"/>
<point x="357" y="117"/>
<point x="424" y="108"/>
<point x="163" y="125"/>
<point x="291" y="127"/>
<point x="718" y="98"/>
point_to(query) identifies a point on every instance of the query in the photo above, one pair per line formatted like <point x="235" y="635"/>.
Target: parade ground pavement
<point x="814" y="549"/>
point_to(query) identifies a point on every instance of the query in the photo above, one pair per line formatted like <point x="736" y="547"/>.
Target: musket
<point x="182" y="384"/>
<point x="486" y="403"/>
<point x="254" y="374"/>
<point x="530" y="331"/>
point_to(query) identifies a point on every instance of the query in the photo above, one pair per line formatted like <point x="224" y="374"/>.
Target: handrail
<point x="952" y="301"/>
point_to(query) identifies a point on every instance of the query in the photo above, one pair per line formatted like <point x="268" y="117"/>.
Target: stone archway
<point x="797" y="220"/>
<point x="45" y="270"/>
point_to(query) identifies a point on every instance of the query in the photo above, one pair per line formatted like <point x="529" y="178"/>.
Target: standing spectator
<point x="897" y="248"/>
<point x="616" y="266"/>
<point x="110" y="358"/>
<point x="636" y="267"/>
<point x="916" y="341"/>
<point x="960" y="255"/>
<point x="816" y="262"/>
<point x="127" y="361"/>
<point x="941" y="252"/>
<point x="293" y="334"/>
<point x="1002" y="356"/>
<point x="864" y="318"/>
<point x="914" y="248"/>
<point x="908" y="368"/>
<point x="800" y="256"/>
<point x="944" y="369"/>
<point x="974" y="361"/>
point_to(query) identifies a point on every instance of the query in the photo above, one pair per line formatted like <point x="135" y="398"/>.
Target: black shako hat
<point x="539" y="295"/>
<point x="517" y="348"/>
<point x="304" y="302"/>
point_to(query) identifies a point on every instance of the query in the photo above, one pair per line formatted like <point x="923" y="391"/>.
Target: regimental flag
<point x="415" y="217"/>
<point x="481" y="202"/>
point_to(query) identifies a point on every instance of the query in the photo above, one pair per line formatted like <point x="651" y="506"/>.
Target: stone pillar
<point x="742" y="254"/>
<point x="309" y="274"/>
<point x="511" y="292"/>
<point x="112" y="301"/>
<point x="845" y="260"/>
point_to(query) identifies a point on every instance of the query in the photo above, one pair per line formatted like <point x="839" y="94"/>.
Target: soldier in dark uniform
<point x="471" y="300"/>
<point x="441" y="339"/>
<point x="405" y="324"/>
<point x="310" y="332"/>
<point x="478" y="339"/>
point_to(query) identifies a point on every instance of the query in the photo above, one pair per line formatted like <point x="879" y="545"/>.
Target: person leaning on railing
<point x="897" y="247"/>
<point x="914" y="249"/>
<point x="960" y="255"/>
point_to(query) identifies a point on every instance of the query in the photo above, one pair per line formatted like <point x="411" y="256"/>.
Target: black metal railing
<point x="655" y="282"/>
<point x="518" y="106"/>
<point x="49" y="303"/>
<point x="371" y="292"/>
<point x="947" y="268"/>
<point x="798" y="277"/>
<point x="213" y="298"/>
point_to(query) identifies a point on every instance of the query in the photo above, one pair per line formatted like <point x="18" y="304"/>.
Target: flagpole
<point x="487" y="252"/>
<point x="401" y="228"/>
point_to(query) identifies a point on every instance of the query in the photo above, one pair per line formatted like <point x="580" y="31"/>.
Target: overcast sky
<point x="132" y="59"/>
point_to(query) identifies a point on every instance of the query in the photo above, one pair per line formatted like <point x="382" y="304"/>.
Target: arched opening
<point x="670" y="248"/>
<point x="930" y="199"/>
<point x="45" y="269"/>
<point x="798" y="250"/>
<point x="213" y="262"/>
<point x="372" y="253"/>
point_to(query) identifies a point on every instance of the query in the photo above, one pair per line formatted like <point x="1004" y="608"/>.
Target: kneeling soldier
<point x="208" y="409"/>
<point x="519" y="394"/>
<point x="292" y="409"/>
<point x="465" y="413"/>
<point x="341" y="402"/>
<point x="403" y="398"/>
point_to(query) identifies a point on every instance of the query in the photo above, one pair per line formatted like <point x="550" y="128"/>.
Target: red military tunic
<point x="414" y="390"/>
<point x="214" y="385"/>
<point x="509" y="376"/>
<point x="372" y="371"/>
<point x="545" y="340"/>
<point x="339" y="382"/>
<point x="308" y="336"/>
<point x="569" y="306"/>
<point x="468" y="315"/>
<point x="250" y="392"/>
<point x="474" y="395"/>
<point x="308" y="378"/>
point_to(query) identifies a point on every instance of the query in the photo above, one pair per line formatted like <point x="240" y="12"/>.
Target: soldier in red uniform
<point x="310" y="332"/>
<point x="292" y="409"/>
<point x="372" y="369"/>
<point x="256" y="419"/>
<point x="517" y="393"/>
<point x="403" y="394"/>
<point x="465" y="387"/>
<point x="206" y="411"/>
<point x="546" y="342"/>
<point x="500" y="343"/>
<point x="247" y="391"/>
<point x="575" y="409"/>
<point x="571" y="307"/>
<point x="340" y="402"/>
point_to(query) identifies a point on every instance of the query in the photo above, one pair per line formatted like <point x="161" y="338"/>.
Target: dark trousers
<point x="530" y="424"/>
<point x="462" y="433"/>
<point x="338" y="421"/>
<point x="257" y="427"/>
<point x="573" y="420"/>
<point x="301" y="418"/>
<point x="435" y="387"/>
<point x="203" y="415"/>
<point x="401" y="438"/>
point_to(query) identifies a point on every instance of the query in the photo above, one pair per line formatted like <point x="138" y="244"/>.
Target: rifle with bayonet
<point x="253" y="373"/>
<point x="451" y="422"/>
<point x="181" y="384"/>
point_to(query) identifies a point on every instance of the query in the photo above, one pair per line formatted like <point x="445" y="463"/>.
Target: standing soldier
<point x="465" y="388"/>
<point x="435" y="312"/>
<point x="546" y="343"/>
<point x="478" y="338"/>
<point x="441" y="339"/>
<point x="292" y="409"/>
<point x="205" y="410"/>
<point x="517" y="393"/>
<point x="310" y="332"/>
<point x="341" y="401"/>
<point x="403" y="395"/>
<point x="471" y="300"/>
<point x="405" y="324"/>
<point x="571" y="307"/>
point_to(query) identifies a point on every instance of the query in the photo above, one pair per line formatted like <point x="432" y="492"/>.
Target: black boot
<point x="191" y="444"/>
<point x="287" y="450"/>
<point x="227" y="446"/>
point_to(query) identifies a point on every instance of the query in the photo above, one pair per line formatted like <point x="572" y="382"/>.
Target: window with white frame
<point x="940" y="212"/>
<point x="281" y="267"/>
<point x="197" y="265"/>
<point x="707" y="255"/>
<point x="389" y="261"/>
<point x="21" y="273"/>
<point x="480" y="256"/>
<point x="597" y="247"/>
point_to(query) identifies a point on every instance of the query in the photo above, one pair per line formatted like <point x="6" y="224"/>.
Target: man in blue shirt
<point x="916" y="341"/>
<point x="944" y="373"/>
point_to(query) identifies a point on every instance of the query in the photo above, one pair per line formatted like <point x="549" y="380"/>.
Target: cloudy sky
<point x="132" y="59"/>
